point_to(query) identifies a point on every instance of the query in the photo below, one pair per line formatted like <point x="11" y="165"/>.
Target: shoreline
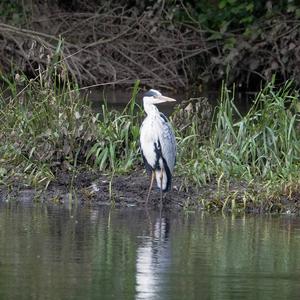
<point x="90" y="189"/>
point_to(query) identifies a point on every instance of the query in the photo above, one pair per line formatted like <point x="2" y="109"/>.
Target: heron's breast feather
<point x="148" y="139"/>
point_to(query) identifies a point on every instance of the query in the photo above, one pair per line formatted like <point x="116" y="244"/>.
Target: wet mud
<point x="130" y="190"/>
<point x="98" y="189"/>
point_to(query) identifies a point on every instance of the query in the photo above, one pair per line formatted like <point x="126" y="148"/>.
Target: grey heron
<point x="157" y="141"/>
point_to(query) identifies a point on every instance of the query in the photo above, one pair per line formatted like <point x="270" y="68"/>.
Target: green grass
<point x="262" y="144"/>
<point x="48" y="128"/>
<point x="260" y="149"/>
<point x="117" y="146"/>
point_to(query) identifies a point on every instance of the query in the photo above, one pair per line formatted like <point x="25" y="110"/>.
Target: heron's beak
<point x="165" y="99"/>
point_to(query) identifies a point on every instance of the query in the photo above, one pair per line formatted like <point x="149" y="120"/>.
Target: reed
<point x="47" y="127"/>
<point x="262" y="146"/>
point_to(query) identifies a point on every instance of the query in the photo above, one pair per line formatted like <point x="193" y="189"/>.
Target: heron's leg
<point x="161" y="190"/>
<point x="150" y="187"/>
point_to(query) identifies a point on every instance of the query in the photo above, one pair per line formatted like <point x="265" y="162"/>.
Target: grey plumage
<point x="168" y="145"/>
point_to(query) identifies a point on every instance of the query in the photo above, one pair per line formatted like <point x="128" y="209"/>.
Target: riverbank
<point x="96" y="190"/>
<point x="53" y="141"/>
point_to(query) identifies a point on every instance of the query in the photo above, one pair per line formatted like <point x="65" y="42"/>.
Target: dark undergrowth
<point x="167" y="44"/>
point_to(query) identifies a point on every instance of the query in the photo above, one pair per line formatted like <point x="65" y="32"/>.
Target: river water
<point x="55" y="252"/>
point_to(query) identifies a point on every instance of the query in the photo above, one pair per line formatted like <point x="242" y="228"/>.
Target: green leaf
<point x="3" y="172"/>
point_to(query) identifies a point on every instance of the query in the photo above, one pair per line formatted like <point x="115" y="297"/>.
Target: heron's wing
<point x="167" y="142"/>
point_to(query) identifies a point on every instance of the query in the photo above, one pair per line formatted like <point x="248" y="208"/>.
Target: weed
<point x="48" y="128"/>
<point x="263" y="146"/>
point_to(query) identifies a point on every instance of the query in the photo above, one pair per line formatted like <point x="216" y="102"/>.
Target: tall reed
<point x="263" y="144"/>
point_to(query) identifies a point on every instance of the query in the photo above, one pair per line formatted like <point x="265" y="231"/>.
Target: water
<point x="118" y="98"/>
<point x="50" y="252"/>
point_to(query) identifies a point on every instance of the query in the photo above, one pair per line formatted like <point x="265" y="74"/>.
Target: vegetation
<point x="260" y="149"/>
<point x="227" y="15"/>
<point x="263" y="143"/>
<point x="166" y="43"/>
<point x="47" y="128"/>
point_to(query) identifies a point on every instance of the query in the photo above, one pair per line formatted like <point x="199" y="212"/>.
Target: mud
<point x="130" y="190"/>
<point x="98" y="189"/>
<point x="92" y="189"/>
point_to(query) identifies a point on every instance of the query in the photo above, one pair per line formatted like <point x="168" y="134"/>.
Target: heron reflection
<point x="153" y="260"/>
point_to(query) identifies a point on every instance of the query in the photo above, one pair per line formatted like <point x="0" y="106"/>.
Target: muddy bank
<point x="91" y="189"/>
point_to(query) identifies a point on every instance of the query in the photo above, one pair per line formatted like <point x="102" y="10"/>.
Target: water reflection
<point x="49" y="252"/>
<point x="153" y="260"/>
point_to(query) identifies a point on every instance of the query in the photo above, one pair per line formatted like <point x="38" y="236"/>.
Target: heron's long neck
<point x="150" y="109"/>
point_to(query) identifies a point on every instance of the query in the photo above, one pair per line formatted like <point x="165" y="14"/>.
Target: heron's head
<point x="155" y="97"/>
